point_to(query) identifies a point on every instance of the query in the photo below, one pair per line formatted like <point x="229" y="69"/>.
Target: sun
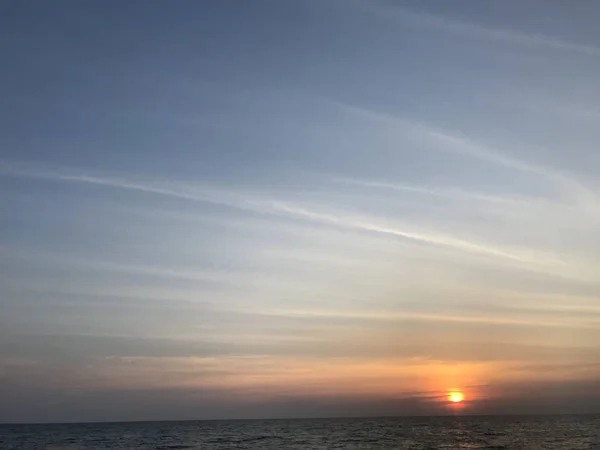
<point x="456" y="396"/>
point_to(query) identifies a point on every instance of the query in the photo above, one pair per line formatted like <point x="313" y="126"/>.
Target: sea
<point x="474" y="432"/>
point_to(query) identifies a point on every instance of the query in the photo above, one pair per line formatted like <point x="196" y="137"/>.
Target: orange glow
<point x="357" y="378"/>
<point x="456" y="396"/>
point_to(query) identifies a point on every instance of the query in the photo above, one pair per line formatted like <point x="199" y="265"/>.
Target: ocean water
<point x="530" y="433"/>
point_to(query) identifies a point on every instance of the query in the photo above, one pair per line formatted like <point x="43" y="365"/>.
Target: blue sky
<point x="277" y="208"/>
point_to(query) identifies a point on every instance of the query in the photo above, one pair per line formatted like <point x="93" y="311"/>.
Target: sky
<point x="227" y="209"/>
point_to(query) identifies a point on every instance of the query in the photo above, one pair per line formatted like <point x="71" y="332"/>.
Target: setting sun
<point x="456" y="396"/>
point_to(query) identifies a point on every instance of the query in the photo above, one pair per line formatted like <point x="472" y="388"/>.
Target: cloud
<point x="273" y="204"/>
<point x="565" y="194"/>
<point x="373" y="225"/>
<point x="466" y="146"/>
<point x="205" y="387"/>
<point x="461" y="144"/>
<point x="169" y="189"/>
<point x="478" y="31"/>
<point x="263" y="205"/>
<point x="445" y="192"/>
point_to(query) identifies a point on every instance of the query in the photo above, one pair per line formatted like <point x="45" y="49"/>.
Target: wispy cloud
<point x="367" y="224"/>
<point x="459" y="143"/>
<point x="169" y="189"/>
<point x="445" y="192"/>
<point x="478" y="31"/>
<point x="464" y="145"/>
<point x="274" y="204"/>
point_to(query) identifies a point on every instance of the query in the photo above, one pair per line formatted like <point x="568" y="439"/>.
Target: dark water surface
<point x="531" y="433"/>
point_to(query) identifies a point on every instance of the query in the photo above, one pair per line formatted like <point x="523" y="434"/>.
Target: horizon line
<point x="399" y="416"/>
